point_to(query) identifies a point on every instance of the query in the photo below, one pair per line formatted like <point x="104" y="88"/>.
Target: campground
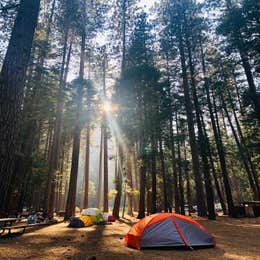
<point x="236" y="239"/>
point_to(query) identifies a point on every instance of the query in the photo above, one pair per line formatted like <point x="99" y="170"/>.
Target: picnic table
<point x="4" y="222"/>
<point x="9" y="224"/>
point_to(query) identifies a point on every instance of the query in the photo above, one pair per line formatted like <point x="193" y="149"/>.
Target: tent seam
<point x="180" y="232"/>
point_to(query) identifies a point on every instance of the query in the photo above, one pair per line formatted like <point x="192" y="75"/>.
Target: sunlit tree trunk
<point x="136" y="197"/>
<point x="99" y="199"/>
<point x="129" y="185"/>
<point x="85" y="202"/>
<point x="55" y="148"/>
<point x="118" y="182"/>
<point x="71" y="200"/>
<point x="141" y="212"/>
<point x="105" y="190"/>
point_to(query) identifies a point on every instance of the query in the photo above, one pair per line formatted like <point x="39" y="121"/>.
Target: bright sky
<point x="102" y="38"/>
<point x="147" y="3"/>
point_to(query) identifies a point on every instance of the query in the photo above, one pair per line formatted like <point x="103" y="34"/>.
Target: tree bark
<point x="187" y="176"/>
<point x="118" y="180"/>
<point x="174" y="169"/>
<point x="202" y="140"/>
<point x="99" y="199"/>
<point x="142" y="174"/>
<point x="153" y="173"/>
<point x="85" y="203"/>
<point x="105" y="200"/>
<point x="218" y="140"/>
<point x="241" y="152"/>
<point x="165" y="197"/>
<point x="180" y="177"/>
<point x="240" y="45"/>
<point x="244" y="149"/>
<point x="194" y="149"/>
<point x="55" y="148"/>
<point x="130" y="185"/>
<point x="214" y="173"/>
<point x="12" y="79"/>
<point x="71" y="200"/>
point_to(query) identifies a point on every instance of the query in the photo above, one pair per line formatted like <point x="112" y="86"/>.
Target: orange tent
<point x="168" y="230"/>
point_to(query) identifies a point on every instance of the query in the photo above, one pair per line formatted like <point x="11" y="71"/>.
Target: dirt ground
<point x="236" y="239"/>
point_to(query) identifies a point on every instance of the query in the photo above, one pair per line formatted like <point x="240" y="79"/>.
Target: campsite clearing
<point x="236" y="239"/>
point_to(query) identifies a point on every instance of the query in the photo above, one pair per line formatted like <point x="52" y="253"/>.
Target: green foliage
<point x="112" y="193"/>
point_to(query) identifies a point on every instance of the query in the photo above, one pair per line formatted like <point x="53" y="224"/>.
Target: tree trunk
<point x="250" y="79"/>
<point x="136" y="197"/>
<point x="85" y="203"/>
<point x="218" y="140"/>
<point x="99" y="200"/>
<point x="130" y="185"/>
<point x="148" y="188"/>
<point x="202" y="141"/>
<point x="71" y="200"/>
<point x="153" y="173"/>
<point x="180" y="177"/>
<point x="221" y="154"/>
<point x="174" y="169"/>
<point x="118" y="184"/>
<point x="165" y="198"/>
<point x="240" y="45"/>
<point x="186" y="170"/>
<point x="218" y="189"/>
<point x="245" y="150"/>
<point x="142" y="174"/>
<point x="55" y="148"/>
<point x="105" y="201"/>
<point x="47" y="142"/>
<point x="12" y="79"/>
<point x="124" y="201"/>
<point x="241" y="151"/>
<point x="194" y="149"/>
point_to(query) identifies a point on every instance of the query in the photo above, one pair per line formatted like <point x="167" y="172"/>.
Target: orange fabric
<point x="133" y="236"/>
<point x="180" y="232"/>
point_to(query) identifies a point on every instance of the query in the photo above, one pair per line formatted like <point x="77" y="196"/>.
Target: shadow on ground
<point x="107" y="242"/>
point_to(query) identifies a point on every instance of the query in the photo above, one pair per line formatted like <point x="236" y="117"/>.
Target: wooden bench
<point x="23" y="227"/>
